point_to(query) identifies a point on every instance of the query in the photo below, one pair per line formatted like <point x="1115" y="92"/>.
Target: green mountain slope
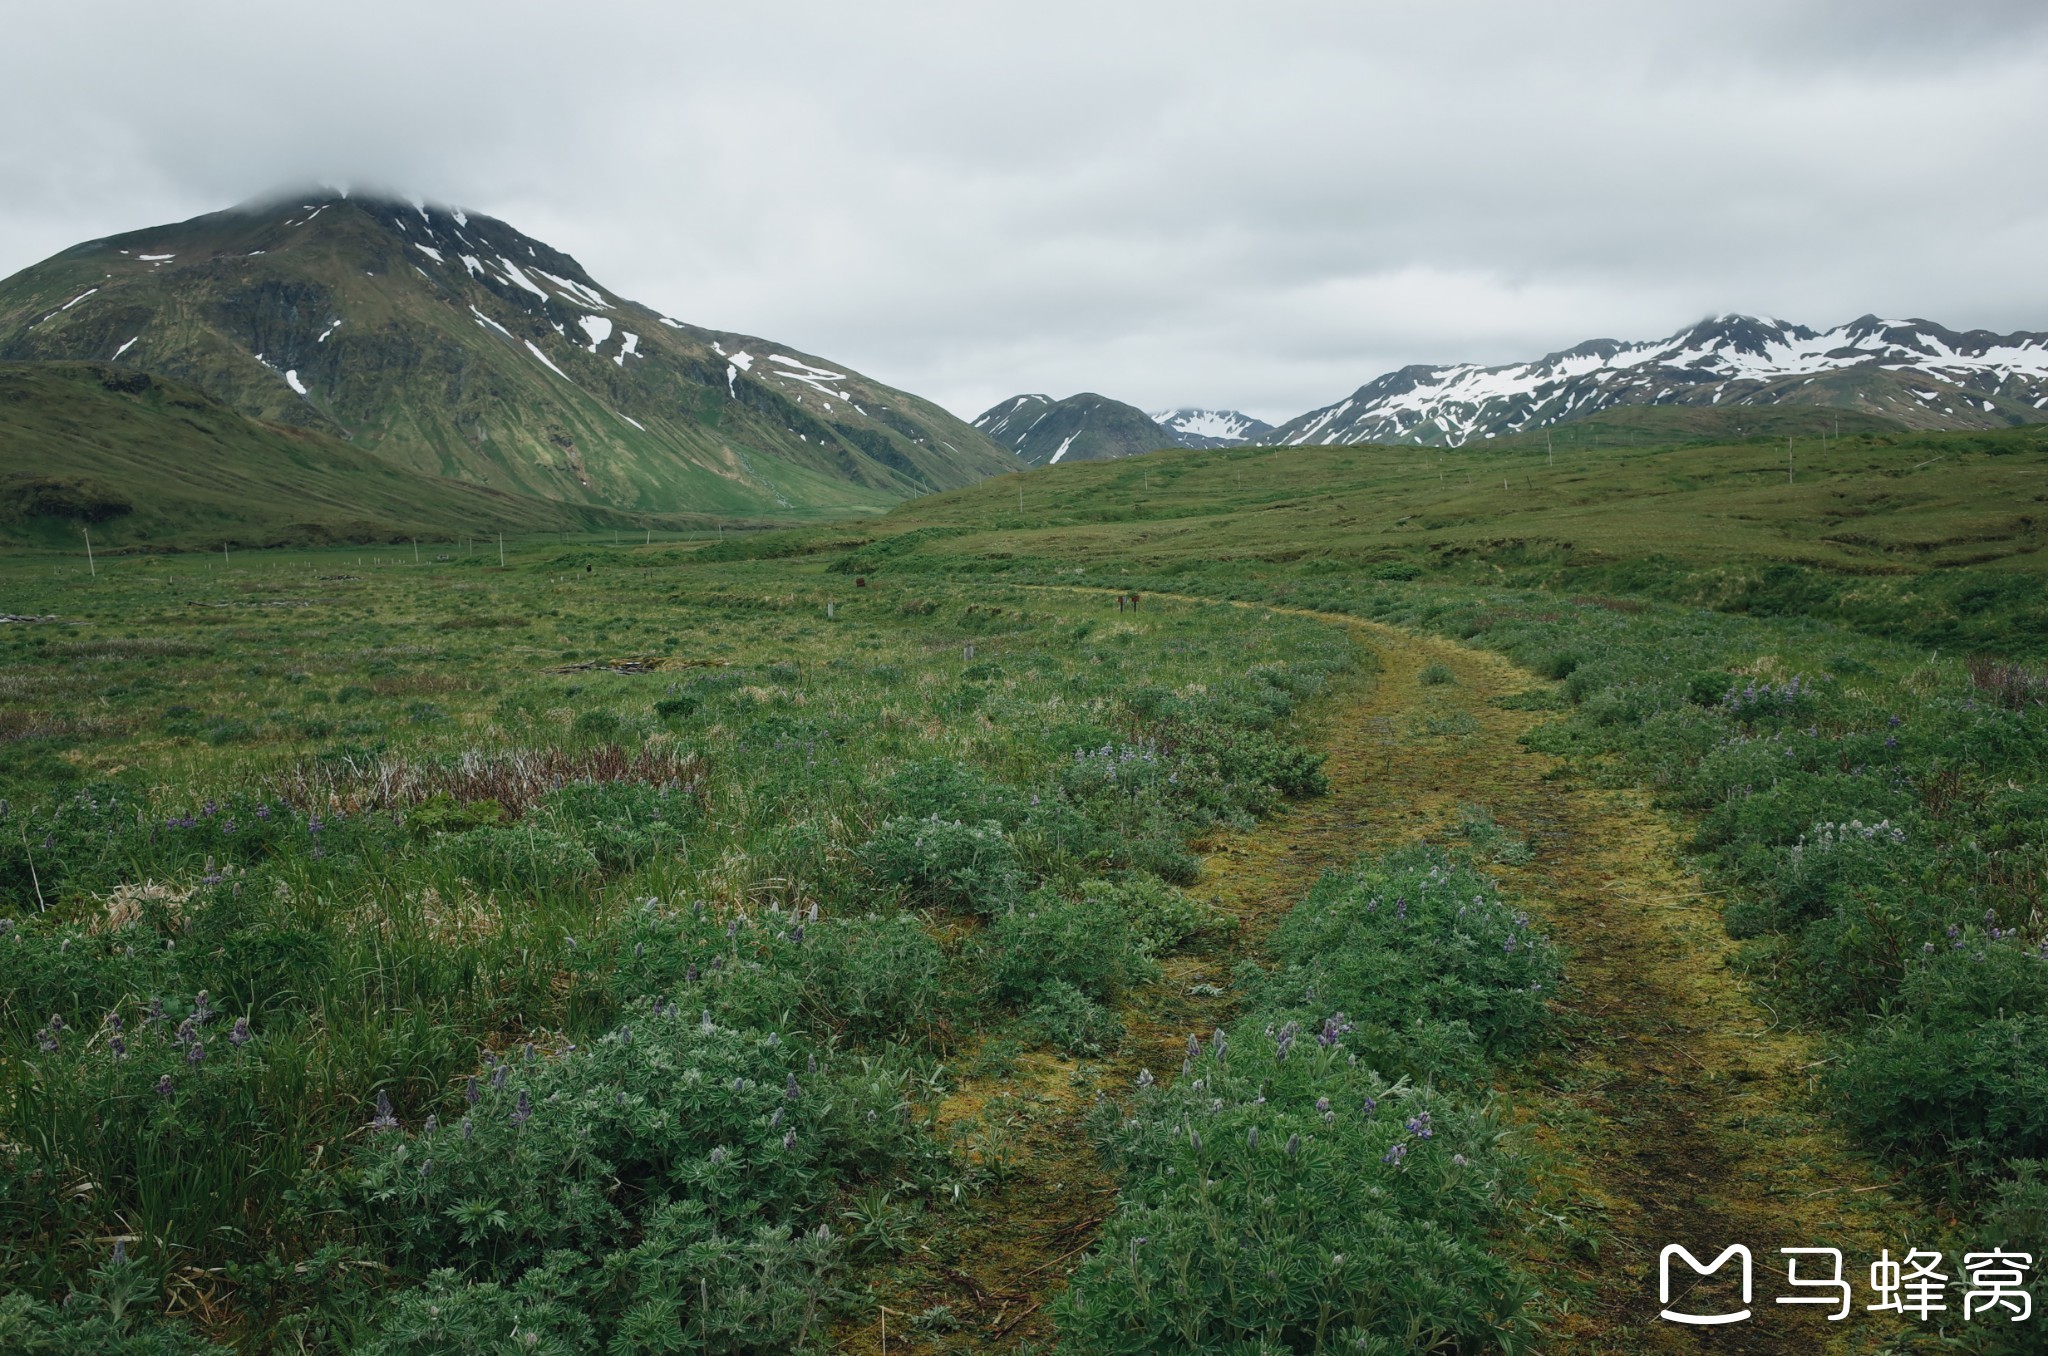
<point x="150" y="462"/>
<point x="1085" y="427"/>
<point x="457" y="346"/>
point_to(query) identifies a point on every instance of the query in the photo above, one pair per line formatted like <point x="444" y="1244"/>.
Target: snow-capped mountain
<point x="1914" y="371"/>
<point x="1085" y="427"/>
<point x="1211" y="428"/>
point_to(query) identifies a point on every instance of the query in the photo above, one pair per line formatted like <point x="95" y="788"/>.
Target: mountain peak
<point x="453" y="343"/>
<point x="1084" y="427"/>
<point x="1193" y="426"/>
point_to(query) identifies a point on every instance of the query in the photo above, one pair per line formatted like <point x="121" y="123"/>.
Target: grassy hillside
<point x="147" y="462"/>
<point x="462" y="348"/>
<point x="1934" y="535"/>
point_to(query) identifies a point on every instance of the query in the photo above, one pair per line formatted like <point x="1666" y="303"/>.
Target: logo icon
<point x="1702" y="1269"/>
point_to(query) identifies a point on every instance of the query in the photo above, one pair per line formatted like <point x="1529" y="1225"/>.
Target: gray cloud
<point x="1258" y="206"/>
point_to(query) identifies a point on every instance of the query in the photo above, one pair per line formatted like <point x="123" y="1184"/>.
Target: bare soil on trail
<point x="1675" y="1109"/>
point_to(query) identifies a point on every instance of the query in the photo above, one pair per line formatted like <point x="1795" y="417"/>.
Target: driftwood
<point x="639" y="665"/>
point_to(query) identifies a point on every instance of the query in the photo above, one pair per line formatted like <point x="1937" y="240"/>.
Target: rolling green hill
<point x="1936" y="535"/>
<point x="457" y="346"/>
<point x="144" y="461"/>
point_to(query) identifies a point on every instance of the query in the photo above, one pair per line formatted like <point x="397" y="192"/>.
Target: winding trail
<point x="1673" y="1110"/>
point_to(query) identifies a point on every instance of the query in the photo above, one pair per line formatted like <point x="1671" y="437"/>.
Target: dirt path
<point x="1671" y="1113"/>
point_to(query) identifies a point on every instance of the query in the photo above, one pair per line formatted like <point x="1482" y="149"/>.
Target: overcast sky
<point x="1259" y="205"/>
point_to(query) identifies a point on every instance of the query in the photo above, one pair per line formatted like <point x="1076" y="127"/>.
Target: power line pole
<point x="1788" y="459"/>
<point x="88" y="552"/>
<point x="501" y="550"/>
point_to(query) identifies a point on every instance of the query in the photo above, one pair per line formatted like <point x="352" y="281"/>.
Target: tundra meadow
<point x="808" y="942"/>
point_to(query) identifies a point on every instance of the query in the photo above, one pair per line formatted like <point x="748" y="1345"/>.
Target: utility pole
<point x="1549" y="451"/>
<point x="501" y="550"/>
<point x="1020" y="497"/>
<point x="1788" y="459"/>
<point x="415" y="550"/>
<point x="223" y="555"/>
<point x="88" y="553"/>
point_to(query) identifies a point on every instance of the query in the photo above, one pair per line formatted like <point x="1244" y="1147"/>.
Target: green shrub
<point x="116" y="1314"/>
<point x="622" y="824"/>
<point x="1063" y="1016"/>
<point x="1297" y="1202"/>
<point x="1158" y="917"/>
<point x="945" y="864"/>
<point x="1086" y="944"/>
<point x="571" y="1151"/>
<point x="1436" y="675"/>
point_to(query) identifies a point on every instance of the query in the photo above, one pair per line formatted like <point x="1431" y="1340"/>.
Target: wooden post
<point x="88" y="552"/>
<point x="501" y="550"/>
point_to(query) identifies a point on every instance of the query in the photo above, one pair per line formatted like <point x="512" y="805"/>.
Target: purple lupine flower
<point x="811" y="1065"/>
<point x="1145" y="1079"/>
<point x="625" y="1035"/>
<point x="468" y="1129"/>
<point x="690" y="975"/>
<point x="1458" y="1159"/>
<point x="209" y="809"/>
<point x="732" y="929"/>
<point x="1293" y="1146"/>
<point x="1220" y="1043"/>
<point x="120" y="1257"/>
<point x="240" y="1036"/>
<point x="196" y="1054"/>
<point x="522" y="1111"/>
<point x="717" y="1155"/>
<point x="1251" y="1139"/>
<point x="1419" y="1126"/>
<point x="1284" y="1042"/>
<point x="118" y="1046"/>
<point x="499" y="1074"/>
<point x="811" y="914"/>
<point x="1194" y="1046"/>
<point x="1401" y="907"/>
<point x="1195" y="1140"/>
<point x="1334" y="1027"/>
<point x="155" y="1013"/>
<point x="1369" y="1107"/>
<point x="426" y="1167"/>
<point x="775" y="1121"/>
<point x="202" y="1010"/>
<point x="433" y="1124"/>
<point x="790" y="1088"/>
<point x="384" y="1119"/>
<point x="227" y="826"/>
<point x="163" y="1087"/>
<point x="1395" y="1155"/>
<point x="47" y="1042"/>
<point x="531" y="1053"/>
<point x="796" y="934"/>
<point x="263" y="812"/>
<point x="470" y="1092"/>
<point x="789" y="1141"/>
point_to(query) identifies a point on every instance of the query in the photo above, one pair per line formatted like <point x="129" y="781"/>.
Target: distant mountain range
<point x="452" y="344"/>
<point x="1912" y="371"/>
